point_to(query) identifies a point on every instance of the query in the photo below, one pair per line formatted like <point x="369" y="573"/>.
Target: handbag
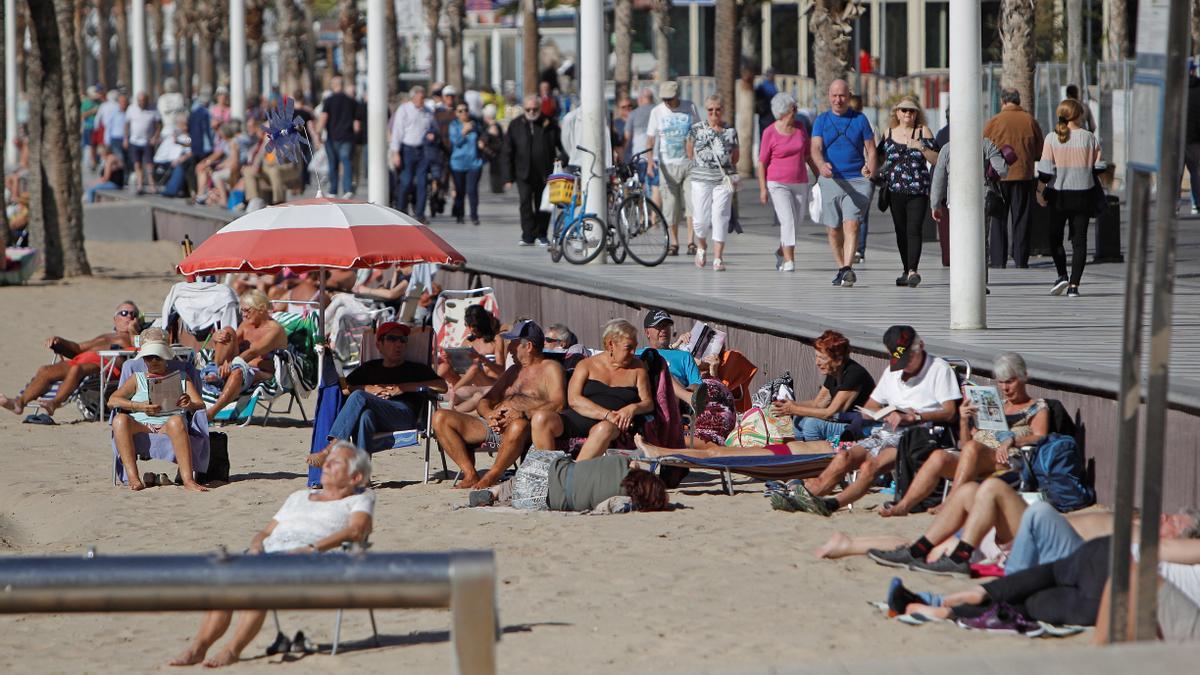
<point x="758" y="428"/>
<point x="885" y="192"/>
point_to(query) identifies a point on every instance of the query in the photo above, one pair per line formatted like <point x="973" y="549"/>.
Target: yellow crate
<point x="561" y="191"/>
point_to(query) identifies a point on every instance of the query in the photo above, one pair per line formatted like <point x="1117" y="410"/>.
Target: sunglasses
<point x="554" y="340"/>
<point x="529" y="110"/>
<point x="907" y="110"/>
<point x="126" y="313"/>
<point x="713" y="110"/>
<point x="152" y="358"/>
<point x="394" y="338"/>
<point x="462" y="110"/>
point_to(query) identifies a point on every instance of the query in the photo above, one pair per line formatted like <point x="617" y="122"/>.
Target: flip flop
<point x="39" y="418"/>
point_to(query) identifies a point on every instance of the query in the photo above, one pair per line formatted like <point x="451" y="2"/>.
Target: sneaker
<point x="1002" y="618"/>
<point x="475" y="221"/>
<point x="522" y="242"/>
<point x="859" y="257"/>
<point x="542" y="241"/>
<point x="808" y="502"/>
<point x="913" y="280"/>
<point x="782" y="501"/>
<point x="848" y="278"/>
<point x="347" y="195"/>
<point x="898" y="557"/>
<point x="778" y="259"/>
<point x="944" y="566"/>
<point x="1195" y="210"/>
<point x="718" y="265"/>
<point x="1073" y="292"/>
<point x="699" y="257"/>
<point x="1059" y="286"/>
<point x="788" y="266"/>
<point x="837" y="280"/>
<point x="902" y="280"/>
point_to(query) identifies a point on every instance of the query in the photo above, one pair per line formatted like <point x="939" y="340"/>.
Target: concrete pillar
<point x="876" y="28"/>
<point x="377" y="100"/>
<point x="968" y="303"/>
<point x="10" y="82"/>
<point x="593" y="58"/>
<point x="765" y="41"/>
<point x="497" y="61"/>
<point x="694" y="39"/>
<point x="237" y="57"/>
<point x="802" y="51"/>
<point x="439" y="60"/>
<point x="137" y="39"/>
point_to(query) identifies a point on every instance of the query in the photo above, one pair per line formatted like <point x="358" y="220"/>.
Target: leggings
<point x="908" y="214"/>
<point x="1069" y="214"/>
<point x="790" y="201"/>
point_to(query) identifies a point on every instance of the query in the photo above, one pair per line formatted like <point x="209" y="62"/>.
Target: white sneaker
<point x="718" y="265"/>
<point x="347" y="195"/>
<point x="699" y="257"/>
<point x="788" y="266"/>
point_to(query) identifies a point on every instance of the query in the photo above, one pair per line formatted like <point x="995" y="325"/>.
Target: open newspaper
<point x="989" y="415"/>
<point x="165" y="391"/>
<point x="705" y="341"/>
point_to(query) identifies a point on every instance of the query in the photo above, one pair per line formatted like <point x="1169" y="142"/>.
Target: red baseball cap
<point x="389" y="327"/>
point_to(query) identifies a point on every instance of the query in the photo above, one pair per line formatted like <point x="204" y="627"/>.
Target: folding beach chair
<point x="450" y="311"/>
<point x="158" y="446"/>
<point x="337" y="622"/>
<point x="761" y="467"/>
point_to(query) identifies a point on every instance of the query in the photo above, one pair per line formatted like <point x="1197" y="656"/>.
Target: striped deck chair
<point x="449" y="313"/>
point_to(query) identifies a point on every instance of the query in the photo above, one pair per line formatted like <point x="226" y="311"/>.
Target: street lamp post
<point x="237" y="58"/>
<point x="377" y="100"/>
<point x="968" y="308"/>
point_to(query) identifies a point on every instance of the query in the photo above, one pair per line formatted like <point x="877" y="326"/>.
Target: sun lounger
<point x="762" y="467"/>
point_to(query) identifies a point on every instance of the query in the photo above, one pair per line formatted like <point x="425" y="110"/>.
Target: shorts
<point x="141" y="154"/>
<point x="221" y="176"/>
<point x="491" y="439"/>
<point x="93" y="359"/>
<point x="844" y="199"/>
<point x="880" y="439"/>
<point x="210" y="375"/>
<point x="531" y="485"/>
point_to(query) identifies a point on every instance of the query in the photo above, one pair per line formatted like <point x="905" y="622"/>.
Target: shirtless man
<point x="534" y="383"/>
<point x="243" y="356"/>
<point x="79" y="360"/>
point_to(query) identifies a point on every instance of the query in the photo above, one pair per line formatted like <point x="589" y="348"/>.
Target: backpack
<point x="1057" y="471"/>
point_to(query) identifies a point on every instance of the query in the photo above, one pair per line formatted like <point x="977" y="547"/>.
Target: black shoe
<point x="914" y="280"/>
<point x="902" y="280"/>
<point x="899" y="557"/>
<point x="945" y="566"/>
<point x="1073" y="292"/>
<point x="475" y="221"/>
<point x="1059" y="286"/>
<point x="281" y="645"/>
<point x="837" y="280"/>
<point x="848" y="278"/>
<point x="458" y="220"/>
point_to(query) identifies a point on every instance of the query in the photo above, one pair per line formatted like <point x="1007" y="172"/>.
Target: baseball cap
<point x="655" y="317"/>
<point x="668" y="89"/>
<point x="899" y="341"/>
<point x="449" y="90"/>
<point x="389" y="327"/>
<point x="158" y="349"/>
<point x="527" y="330"/>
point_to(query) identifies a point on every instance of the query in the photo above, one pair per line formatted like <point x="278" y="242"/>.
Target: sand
<point x="723" y="583"/>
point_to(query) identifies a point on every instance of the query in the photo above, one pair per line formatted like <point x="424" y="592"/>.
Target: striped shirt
<point x="1072" y="160"/>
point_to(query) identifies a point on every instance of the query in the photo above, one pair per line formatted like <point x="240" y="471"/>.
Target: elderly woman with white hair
<point x="783" y="159"/>
<point x="712" y="145"/>
<point x="310" y="521"/>
<point x="983" y="452"/>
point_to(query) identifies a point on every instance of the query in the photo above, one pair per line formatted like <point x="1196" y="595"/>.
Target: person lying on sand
<point x="310" y="521"/>
<point x="243" y="357"/>
<point x="79" y="360"/>
<point x="552" y="481"/>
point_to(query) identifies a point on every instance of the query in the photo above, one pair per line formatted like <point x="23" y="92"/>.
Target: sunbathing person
<point x="139" y="416"/>
<point x="1178" y="594"/>
<point x="534" y="384"/>
<point x="660" y="331"/>
<point x="606" y="395"/>
<point x="382" y="393"/>
<point x="847" y="386"/>
<point x="984" y="452"/>
<point x="243" y="357"/>
<point x="924" y="392"/>
<point x="80" y="359"/>
<point x="484" y="338"/>
<point x="551" y="481"/>
<point x="310" y="521"/>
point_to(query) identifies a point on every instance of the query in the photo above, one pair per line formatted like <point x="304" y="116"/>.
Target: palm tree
<point x="79" y="11"/>
<point x="455" y="18"/>
<point x="291" y="51"/>
<point x="433" y="19"/>
<point x="831" y="22"/>
<point x="1117" y="31"/>
<point x="623" y="47"/>
<point x="5" y="234"/>
<point x="255" y="9"/>
<point x="350" y="23"/>
<point x="393" y="51"/>
<point x="158" y="57"/>
<point x="181" y="20"/>
<point x="1074" y="10"/>
<point x="211" y="17"/>
<point x="725" y="58"/>
<point x="1016" y="39"/>
<point x="530" y="43"/>
<point x="661" y="16"/>
<point x="56" y="191"/>
<point x="124" y="65"/>
<point x="103" y="40"/>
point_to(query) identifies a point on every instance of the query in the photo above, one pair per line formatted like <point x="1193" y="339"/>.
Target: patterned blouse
<point x="1020" y="423"/>
<point x="909" y="173"/>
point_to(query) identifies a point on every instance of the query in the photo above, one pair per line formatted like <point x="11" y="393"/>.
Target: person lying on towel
<point x="552" y="481"/>
<point x="243" y="357"/>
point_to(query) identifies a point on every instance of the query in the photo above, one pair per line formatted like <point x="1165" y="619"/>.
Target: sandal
<point x="673" y="249"/>
<point x="691" y="249"/>
<point x="281" y="645"/>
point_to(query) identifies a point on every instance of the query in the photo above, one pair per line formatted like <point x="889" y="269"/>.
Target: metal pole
<point x="592" y="61"/>
<point x="10" y="82"/>
<point x="137" y="36"/>
<point x="237" y="58"/>
<point x="968" y="306"/>
<point x="1174" y="116"/>
<point x="377" y="101"/>
<point x="497" y="62"/>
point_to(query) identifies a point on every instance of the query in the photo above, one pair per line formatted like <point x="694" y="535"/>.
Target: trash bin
<point x="1108" y="232"/>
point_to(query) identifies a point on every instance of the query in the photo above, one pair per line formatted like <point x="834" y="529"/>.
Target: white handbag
<point x="814" y="203"/>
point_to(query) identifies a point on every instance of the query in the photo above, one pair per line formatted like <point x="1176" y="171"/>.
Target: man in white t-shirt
<point x="923" y="391"/>
<point x="142" y="124"/>
<point x="666" y="138"/>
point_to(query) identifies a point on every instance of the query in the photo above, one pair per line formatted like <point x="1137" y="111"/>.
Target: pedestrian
<point x="713" y="148"/>
<point x="437" y="149"/>
<point x="143" y="127"/>
<point x="666" y="138"/>
<point x="864" y="225"/>
<point x="783" y="175"/>
<point x="115" y="126"/>
<point x="764" y="95"/>
<point x="410" y="126"/>
<point x="620" y="120"/>
<point x="1068" y="157"/>
<point x="466" y="163"/>
<point x="532" y="145"/>
<point x="88" y="109"/>
<point x="1013" y="127"/>
<point x="493" y="148"/>
<point x="843" y="150"/>
<point x="220" y="111"/>
<point x="1089" y="121"/>
<point x="1191" y="154"/>
<point x="635" y="141"/>
<point x="907" y="154"/>
<point x="171" y="105"/>
<point x="340" y="123"/>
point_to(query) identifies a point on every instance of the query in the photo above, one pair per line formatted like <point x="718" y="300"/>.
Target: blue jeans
<point x="414" y="166"/>
<point x="365" y="414"/>
<point x="466" y="186"/>
<point x="340" y="153"/>
<point x="176" y="182"/>
<point x="1044" y="536"/>
<point x="813" y="429"/>
<point x="106" y="185"/>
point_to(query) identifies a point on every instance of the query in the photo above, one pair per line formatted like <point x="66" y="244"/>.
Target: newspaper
<point x="165" y="391"/>
<point x="705" y="341"/>
<point x="989" y="414"/>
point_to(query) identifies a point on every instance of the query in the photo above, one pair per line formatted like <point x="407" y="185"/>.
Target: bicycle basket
<point x="562" y="188"/>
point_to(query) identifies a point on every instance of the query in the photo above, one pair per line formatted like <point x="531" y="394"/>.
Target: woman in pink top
<point x="783" y="176"/>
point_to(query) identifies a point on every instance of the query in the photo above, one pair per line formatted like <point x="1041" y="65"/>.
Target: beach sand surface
<point x="722" y="583"/>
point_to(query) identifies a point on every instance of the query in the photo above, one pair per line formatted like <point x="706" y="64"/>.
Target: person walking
<point x="843" y="150"/>
<point x="493" y="148"/>
<point x="713" y="148"/>
<point x="466" y="163"/>
<point x="908" y="151"/>
<point x="142" y="129"/>
<point x="410" y="127"/>
<point x="532" y="145"/>
<point x="340" y="123"/>
<point x="784" y="157"/>
<point x="1191" y="152"/>
<point x="666" y="138"/>
<point x="1068" y="156"/>
<point x="1013" y="127"/>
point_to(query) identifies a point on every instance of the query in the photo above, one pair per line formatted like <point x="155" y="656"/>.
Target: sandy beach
<point x="722" y="583"/>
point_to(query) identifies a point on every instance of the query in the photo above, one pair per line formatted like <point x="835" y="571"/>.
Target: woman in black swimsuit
<point x="606" y="393"/>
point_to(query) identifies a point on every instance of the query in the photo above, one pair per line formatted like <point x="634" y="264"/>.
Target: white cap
<point x="159" y="349"/>
<point x="449" y="90"/>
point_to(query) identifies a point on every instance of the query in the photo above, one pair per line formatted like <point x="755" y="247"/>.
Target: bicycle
<point x="642" y="227"/>
<point x="580" y="236"/>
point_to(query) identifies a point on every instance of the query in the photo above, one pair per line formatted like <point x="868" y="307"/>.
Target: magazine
<point x="165" y="391"/>
<point x="705" y="341"/>
<point x="460" y="358"/>
<point x="989" y="415"/>
<point x="877" y="414"/>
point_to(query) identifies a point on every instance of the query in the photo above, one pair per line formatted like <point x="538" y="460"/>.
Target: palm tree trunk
<point x="79" y="10"/>
<point x="661" y="18"/>
<point x="1118" y="31"/>
<point x="104" y="39"/>
<point x="348" y="20"/>
<point x="530" y="43"/>
<point x="1016" y="36"/>
<point x="725" y="58"/>
<point x="254" y="42"/>
<point x="5" y="235"/>
<point x="1195" y="25"/>
<point x="1074" y="10"/>
<point x="124" y="66"/>
<point x="433" y="18"/>
<point x="291" y="54"/>
<point x="623" y="47"/>
<point x="183" y="45"/>
<point x="455" y="18"/>
<point x="750" y="23"/>
<point x="830" y="25"/>
<point x="392" y="41"/>
<point x="158" y="57"/>
<point x="308" y="43"/>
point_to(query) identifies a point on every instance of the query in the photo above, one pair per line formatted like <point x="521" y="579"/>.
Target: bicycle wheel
<point x="643" y="230"/>
<point x="555" y="247"/>
<point x="583" y="241"/>
<point x="616" y="247"/>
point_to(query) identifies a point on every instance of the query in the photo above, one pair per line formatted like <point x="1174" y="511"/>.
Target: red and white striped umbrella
<point x="314" y="233"/>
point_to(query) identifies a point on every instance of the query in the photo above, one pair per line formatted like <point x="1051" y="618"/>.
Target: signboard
<point x="1149" y="85"/>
